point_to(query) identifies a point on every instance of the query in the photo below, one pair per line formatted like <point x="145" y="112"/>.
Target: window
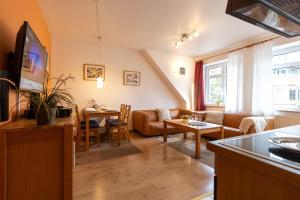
<point x="286" y="78"/>
<point x="215" y="83"/>
<point x="292" y="95"/>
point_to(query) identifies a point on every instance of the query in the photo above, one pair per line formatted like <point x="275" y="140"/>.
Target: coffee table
<point x="197" y="130"/>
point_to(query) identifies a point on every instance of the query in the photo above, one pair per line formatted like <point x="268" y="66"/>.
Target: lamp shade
<point x="278" y="16"/>
<point x="99" y="82"/>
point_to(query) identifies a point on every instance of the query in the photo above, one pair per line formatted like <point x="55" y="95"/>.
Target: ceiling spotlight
<point x="186" y="36"/>
<point x="196" y="33"/>
<point x="178" y="43"/>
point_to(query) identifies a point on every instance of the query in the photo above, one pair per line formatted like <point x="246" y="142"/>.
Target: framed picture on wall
<point x="131" y="78"/>
<point x="92" y="72"/>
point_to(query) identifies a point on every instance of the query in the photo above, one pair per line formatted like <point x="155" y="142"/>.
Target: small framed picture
<point x="92" y="72"/>
<point x="182" y="71"/>
<point x="132" y="78"/>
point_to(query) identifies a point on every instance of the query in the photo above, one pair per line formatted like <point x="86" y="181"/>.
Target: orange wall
<point x="12" y="15"/>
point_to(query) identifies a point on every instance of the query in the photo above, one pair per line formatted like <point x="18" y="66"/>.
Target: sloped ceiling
<point x="149" y="24"/>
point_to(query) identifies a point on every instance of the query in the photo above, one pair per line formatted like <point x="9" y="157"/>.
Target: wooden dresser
<point x="36" y="161"/>
<point x="250" y="167"/>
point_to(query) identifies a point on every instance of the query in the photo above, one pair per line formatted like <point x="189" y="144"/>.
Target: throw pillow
<point x="163" y="114"/>
<point x="215" y="117"/>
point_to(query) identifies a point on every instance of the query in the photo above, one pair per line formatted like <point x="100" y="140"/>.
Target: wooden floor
<point x="160" y="172"/>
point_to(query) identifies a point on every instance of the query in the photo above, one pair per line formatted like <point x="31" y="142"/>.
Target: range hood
<point x="279" y="16"/>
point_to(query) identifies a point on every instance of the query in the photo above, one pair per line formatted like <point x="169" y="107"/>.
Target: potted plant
<point x="45" y="104"/>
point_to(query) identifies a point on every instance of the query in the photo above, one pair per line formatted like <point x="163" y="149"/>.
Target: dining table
<point x="88" y="114"/>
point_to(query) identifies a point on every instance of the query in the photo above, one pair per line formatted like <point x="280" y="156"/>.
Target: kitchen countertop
<point x="258" y="147"/>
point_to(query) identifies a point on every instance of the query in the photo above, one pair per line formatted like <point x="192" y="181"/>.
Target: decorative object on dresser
<point x="47" y="101"/>
<point x="93" y="71"/>
<point x="131" y="78"/>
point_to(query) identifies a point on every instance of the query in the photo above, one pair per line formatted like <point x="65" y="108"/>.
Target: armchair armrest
<point x="269" y="126"/>
<point x="270" y="123"/>
<point x="141" y="122"/>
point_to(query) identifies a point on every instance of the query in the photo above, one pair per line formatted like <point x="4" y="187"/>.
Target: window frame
<point x="284" y="51"/>
<point x="209" y="66"/>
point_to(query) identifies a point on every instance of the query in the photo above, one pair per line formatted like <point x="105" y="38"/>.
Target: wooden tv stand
<point x="36" y="161"/>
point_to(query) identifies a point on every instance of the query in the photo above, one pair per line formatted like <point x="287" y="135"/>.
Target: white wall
<point x="69" y="56"/>
<point x="169" y="65"/>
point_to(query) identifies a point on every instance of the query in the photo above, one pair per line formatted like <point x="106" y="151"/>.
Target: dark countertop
<point x="258" y="146"/>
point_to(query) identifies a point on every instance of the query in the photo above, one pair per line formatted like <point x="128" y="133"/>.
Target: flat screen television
<point x="30" y="61"/>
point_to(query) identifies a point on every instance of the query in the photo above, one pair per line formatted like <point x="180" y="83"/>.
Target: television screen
<point x="30" y="60"/>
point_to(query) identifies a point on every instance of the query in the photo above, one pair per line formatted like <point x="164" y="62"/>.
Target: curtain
<point x="249" y="81"/>
<point x="199" y="86"/>
<point x="262" y="95"/>
<point x="234" y="90"/>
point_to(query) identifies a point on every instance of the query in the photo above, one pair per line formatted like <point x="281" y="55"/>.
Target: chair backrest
<point x="126" y="114"/>
<point x="122" y="110"/>
<point x="78" y="122"/>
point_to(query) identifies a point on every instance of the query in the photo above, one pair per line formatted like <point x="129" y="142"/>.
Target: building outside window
<point x="286" y="78"/>
<point x="215" y="83"/>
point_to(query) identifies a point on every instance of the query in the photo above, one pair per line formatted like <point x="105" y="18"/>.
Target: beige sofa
<point x="146" y="121"/>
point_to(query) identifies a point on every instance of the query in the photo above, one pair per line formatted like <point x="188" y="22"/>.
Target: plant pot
<point x="46" y="116"/>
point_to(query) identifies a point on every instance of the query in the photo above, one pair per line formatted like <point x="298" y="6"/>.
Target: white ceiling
<point x="149" y="24"/>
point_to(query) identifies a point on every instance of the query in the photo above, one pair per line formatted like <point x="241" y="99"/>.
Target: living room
<point x="149" y="99"/>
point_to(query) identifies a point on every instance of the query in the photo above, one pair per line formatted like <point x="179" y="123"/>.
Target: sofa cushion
<point x="152" y="115"/>
<point x="231" y="132"/>
<point x="228" y="132"/>
<point x="231" y="129"/>
<point x="175" y="113"/>
<point x="92" y="124"/>
<point x="215" y="117"/>
<point x="285" y="121"/>
<point x="159" y="125"/>
<point x="234" y="120"/>
<point x="163" y="114"/>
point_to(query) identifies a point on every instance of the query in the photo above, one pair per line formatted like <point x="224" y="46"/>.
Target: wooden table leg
<point x="222" y="132"/>
<point x="185" y="135"/>
<point x="165" y="131"/>
<point x="197" y="145"/>
<point x="87" y="132"/>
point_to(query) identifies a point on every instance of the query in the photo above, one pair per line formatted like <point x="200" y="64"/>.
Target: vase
<point x="46" y="116"/>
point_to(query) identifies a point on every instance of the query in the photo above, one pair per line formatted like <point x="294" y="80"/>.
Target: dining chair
<point x="122" y="122"/>
<point x="110" y="120"/>
<point x="81" y="128"/>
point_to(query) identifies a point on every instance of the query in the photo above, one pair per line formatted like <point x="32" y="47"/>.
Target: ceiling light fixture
<point x="99" y="79"/>
<point x="186" y="36"/>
